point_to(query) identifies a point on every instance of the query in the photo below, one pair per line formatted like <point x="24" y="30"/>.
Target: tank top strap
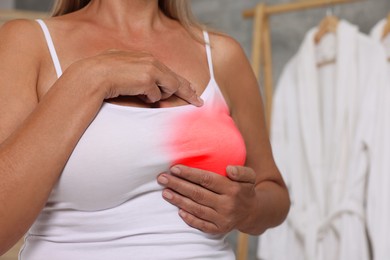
<point x="208" y="53"/>
<point x="50" y="45"/>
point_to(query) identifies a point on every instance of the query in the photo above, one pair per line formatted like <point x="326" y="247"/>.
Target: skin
<point x="113" y="52"/>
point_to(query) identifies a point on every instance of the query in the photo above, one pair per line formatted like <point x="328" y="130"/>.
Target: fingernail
<point x="200" y="101"/>
<point x="175" y="170"/>
<point x="232" y="170"/>
<point x="162" y="179"/>
<point x="167" y="195"/>
<point x="182" y="213"/>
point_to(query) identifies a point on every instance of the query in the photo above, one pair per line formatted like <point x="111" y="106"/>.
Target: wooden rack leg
<point x="243" y="239"/>
<point x="242" y="247"/>
<point x="267" y="67"/>
<point x="257" y="40"/>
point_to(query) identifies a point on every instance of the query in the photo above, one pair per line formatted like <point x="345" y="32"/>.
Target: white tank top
<point x="107" y="204"/>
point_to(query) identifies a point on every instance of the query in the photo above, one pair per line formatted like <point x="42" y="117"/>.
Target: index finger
<point x="186" y="92"/>
<point x="209" y="180"/>
<point x="171" y="83"/>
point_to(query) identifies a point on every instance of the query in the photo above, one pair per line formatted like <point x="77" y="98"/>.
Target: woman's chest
<point x="184" y="64"/>
<point x="124" y="150"/>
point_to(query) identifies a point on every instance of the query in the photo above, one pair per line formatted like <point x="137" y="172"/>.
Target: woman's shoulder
<point x="232" y="68"/>
<point x="224" y="39"/>
<point x="20" y="35"/>
<point x="18" y="28"/>
<point x="229" y="57"/>
<point x="227" y="53"/>
<point x="222" y="43"/>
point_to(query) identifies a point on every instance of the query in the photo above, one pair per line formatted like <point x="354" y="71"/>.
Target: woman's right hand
<point x="126" y="73"/>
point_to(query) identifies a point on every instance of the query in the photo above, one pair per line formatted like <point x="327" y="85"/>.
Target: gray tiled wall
<point x="6" y="4"/>
<point x="36" y="5"/>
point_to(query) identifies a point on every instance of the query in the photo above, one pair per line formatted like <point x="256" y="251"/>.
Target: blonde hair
<point x="179" y="10"/>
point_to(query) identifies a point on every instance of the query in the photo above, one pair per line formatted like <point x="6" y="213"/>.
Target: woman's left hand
<point x="210" y="202"/>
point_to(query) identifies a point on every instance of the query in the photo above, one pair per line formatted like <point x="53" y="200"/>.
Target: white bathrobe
<point x="321" y="134"/>
<point x="378" y="194"/>
<point x="377" y="35"/>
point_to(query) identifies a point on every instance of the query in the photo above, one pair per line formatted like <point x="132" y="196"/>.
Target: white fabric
<point x="321" y="131"/>
<point x="208" y="52"/>
<point x="52" y="49"/>
<point x="377" y="30"/>
<point x="378" y="195"/>
<point x="377" y="35"/>
<point x="107" y="203"/>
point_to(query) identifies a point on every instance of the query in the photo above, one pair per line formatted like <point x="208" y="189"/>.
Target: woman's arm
<point x="37" y="138"/>
<point x="254" y="197"/>
<point x="271" y="203"/>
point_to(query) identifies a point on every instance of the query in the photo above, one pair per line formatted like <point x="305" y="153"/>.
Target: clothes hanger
<point x="328" y="25"/>
<point x="325" y="39"/>
<point x="386" y="30"/>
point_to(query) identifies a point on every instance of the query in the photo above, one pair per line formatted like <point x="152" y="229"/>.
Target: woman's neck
<point x="128" y="15"/>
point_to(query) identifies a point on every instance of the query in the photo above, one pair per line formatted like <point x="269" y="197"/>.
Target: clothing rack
<point x="261" y="43"/>
<point x="262" y="61"/>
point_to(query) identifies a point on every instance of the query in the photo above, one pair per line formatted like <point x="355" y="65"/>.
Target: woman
<point x="110" y="106"/>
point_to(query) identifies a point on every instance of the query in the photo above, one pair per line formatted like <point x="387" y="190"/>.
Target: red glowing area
<point x="207" y="139"/>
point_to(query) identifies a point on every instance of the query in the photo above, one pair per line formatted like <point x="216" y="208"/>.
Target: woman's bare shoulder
<point x="20" y="58"/>
<point x="228" y="56"/>
<point x="18" y="28"/>
<point x="232" y="68"/>
<point x="226" y="47"/>
<point x="20" y="36"/>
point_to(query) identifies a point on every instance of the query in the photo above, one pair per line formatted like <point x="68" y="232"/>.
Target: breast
<point x="207" y="139"/>
<point x="125" y="148"/>
<point x="118" y="157"/>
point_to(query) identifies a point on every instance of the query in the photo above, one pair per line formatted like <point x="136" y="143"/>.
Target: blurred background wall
<point x="7" y="4"/>
<point x="287" y="30"/>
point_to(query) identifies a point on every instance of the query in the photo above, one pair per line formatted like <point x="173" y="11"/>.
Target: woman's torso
<point x="108" y="204"/>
